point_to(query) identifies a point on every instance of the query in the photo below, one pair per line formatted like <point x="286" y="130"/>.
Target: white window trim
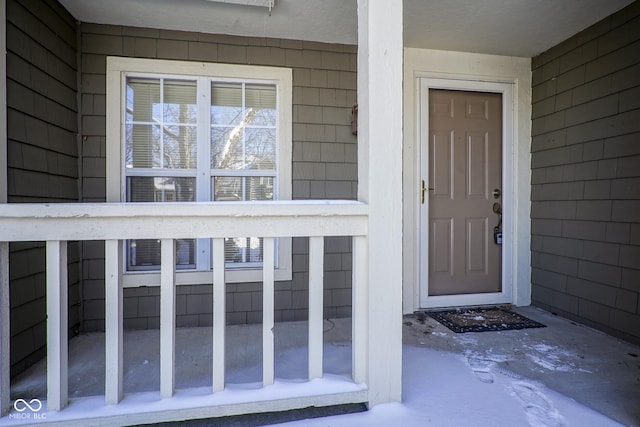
<point x="117" y="68"/>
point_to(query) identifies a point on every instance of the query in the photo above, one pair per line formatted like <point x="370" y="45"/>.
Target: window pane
<point x="260" y="149"/>
<point x="260" y="102"/>
<point x="259" y="188"/>
<point x="160" y="189"/>
<point x="180" y="101"/>
<point x="142" y="146"/>
<point x="226" y="148"/>
<point x="155" y="144"/>
<point x="227" y="188"/>
<point x="236" y="188"/>
<point x="226" y="104"/>
<point x="254" y="249"/>
<point x="180" y="147"/>
<point x="145" y="147"/>
<point x="243" y="249"/>
<point x="145" y="254"/>
<point x="143" y="99"/>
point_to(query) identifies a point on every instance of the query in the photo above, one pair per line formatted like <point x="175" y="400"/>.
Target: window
<point x="183" y="131"/>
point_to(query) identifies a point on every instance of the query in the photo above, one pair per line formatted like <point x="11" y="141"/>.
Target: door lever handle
<point x="424" y="188"/>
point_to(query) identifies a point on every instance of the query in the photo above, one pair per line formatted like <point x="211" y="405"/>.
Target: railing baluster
<point x="113" y="322"/>
<point x="316" y="290"/>
<point x="219" y="318"/>
<point x="167" y="317"/>
<point x="5" y="330"/>
<point x="359" y="316"/>
<point x="57" y="329"/>
<point x="268" y="312"/>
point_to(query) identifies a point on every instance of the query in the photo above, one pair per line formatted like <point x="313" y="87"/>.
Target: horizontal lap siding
<point x="586" y="176"/>
<point x="324" y="164"/>
<point x="42" y="158"/>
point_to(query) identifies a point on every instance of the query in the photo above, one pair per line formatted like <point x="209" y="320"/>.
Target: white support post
<point x="316" y="305"/>
<point x="219" y="318"/>
<point x="57" y="329"/>
<point x="380" y="56"/>
<point x="113" y="322"/>
<point x="167" y="317"/>
<point x="268" y="373"/>
<point x="5" y="331"/>
<point x="359" y="315"/>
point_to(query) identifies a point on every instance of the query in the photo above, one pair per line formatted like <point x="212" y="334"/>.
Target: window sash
<point x="118" y="69"/>
<point x="153" y="116"/>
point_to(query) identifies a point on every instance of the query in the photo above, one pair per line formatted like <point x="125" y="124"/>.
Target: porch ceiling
<point x="504" y="27"/>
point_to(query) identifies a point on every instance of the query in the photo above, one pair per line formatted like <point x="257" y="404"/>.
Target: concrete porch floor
<point x="596" y="370"/>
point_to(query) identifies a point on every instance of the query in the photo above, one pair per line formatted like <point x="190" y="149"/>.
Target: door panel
<point x="465" y="166"/>
<point x="442" y="232"/>
<point x="476" y="246"/>
<point x="477" y="168"/>
<point x="442" y="170"/>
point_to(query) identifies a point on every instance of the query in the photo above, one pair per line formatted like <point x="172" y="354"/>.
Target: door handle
<point x="424" y="188"/>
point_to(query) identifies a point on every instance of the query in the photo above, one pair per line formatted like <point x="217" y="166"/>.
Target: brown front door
<point x="465" y="170"/>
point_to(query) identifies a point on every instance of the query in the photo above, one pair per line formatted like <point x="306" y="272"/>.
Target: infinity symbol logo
<point x="22" y="405"/>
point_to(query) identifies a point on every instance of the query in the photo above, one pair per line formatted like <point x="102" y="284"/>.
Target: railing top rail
<point x="231" y="208"/>
<point x="99" y="221"/>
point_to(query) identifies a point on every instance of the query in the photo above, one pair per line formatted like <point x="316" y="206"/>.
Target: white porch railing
<point x="59" y="223"/>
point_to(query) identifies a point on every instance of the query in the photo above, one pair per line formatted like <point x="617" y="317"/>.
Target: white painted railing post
<point x="57" y="329"/>
<point x="219" y="315"/>
<point x="113" y="322"/>
<point x="167" y="317"/>
<point x="380" y="56"/>
<point x="268" y="297"/>
<point x="359" y="307"/>
<point x="316" y="305"/>
<point x="5" y="330"/>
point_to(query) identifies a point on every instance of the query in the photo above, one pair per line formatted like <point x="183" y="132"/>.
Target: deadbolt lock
<point x="496" y="193"/>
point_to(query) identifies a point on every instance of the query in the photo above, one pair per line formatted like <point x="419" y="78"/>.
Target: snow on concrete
<point x="445" y="389"/>
<point x="448" y="379"/>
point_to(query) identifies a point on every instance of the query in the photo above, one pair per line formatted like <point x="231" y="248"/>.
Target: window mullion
<point x="203" y="181"/>
<point x="162" y="162"/>
<point x="203" y="175"/>
<point x="244" y="128"/>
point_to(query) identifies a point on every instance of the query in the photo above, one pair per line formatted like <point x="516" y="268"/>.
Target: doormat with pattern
<point x="482" y="320"/>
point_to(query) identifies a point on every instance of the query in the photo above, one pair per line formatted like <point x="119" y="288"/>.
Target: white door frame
<point x="508" y="194"/>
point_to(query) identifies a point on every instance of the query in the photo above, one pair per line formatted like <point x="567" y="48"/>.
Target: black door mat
<point x="482" y="320"/>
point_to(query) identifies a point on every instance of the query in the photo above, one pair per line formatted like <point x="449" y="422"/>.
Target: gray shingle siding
<point x="586" y="176"/>
<point x="42" y="157"/>
<point x="324" y="163"/>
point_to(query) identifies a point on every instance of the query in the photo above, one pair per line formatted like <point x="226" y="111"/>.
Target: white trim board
<point x="467" y="71"/>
